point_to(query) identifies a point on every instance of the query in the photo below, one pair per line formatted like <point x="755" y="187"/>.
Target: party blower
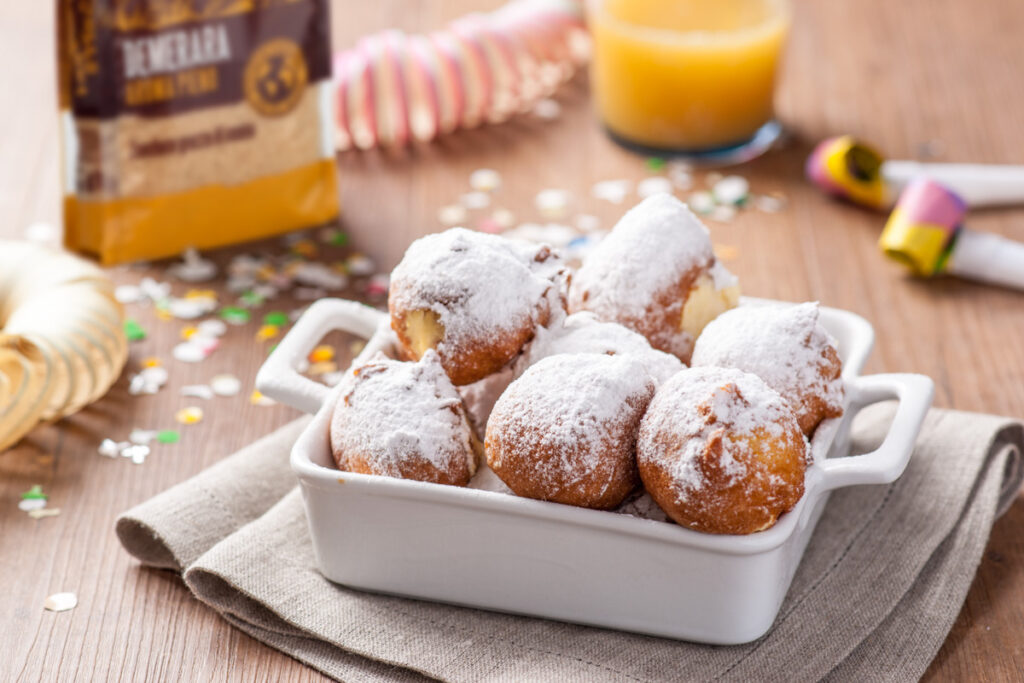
<point x="852" y="170"/>
<point x="926" y="233"/>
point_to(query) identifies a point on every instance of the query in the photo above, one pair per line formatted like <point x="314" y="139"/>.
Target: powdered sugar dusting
<point x="693" y="407"/>
<point x="478" y="284"/>
<point x="644" y="261"/>
<point x="782" y="344"/>
<point x="392" y="412"/>
<point x="583" y="333"/>
<point x="572" y="405"/>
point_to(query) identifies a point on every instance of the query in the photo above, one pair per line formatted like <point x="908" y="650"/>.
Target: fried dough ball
<point x="566" y="430"/>
<point x="474" y="298"/>
<point x="583" y="333"/>
<point x="405" y="420"/>
<point x="721" y="452"/>
<point x="785" y="346"/>
<point x="656" y="274"/>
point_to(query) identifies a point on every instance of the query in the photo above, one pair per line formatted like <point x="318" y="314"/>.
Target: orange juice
<point x="686" y="74"/>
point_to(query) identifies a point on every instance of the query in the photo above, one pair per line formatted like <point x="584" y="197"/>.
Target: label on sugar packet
<point x="196" y="123"/>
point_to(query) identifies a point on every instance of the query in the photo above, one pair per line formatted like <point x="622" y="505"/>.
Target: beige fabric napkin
<point x="881" y="583"/>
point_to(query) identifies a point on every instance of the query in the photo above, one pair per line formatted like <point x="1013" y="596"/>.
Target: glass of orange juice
<point x="689" y="77"/>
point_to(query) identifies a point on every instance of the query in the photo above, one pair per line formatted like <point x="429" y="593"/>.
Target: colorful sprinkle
<point x="322" y="353"/>
<point x="168" y="436"/>
<point x="655" y="163"/>
<point x="235" y="315"/>
<point x="485" y="180"/>
<point x="267" y="332"/>
<point x="133" y="330"/>
<point x="190" y="415"/>
<point x="277" y="318"/>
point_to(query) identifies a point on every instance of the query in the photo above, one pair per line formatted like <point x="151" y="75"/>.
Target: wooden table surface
<point x="918" y="76"/>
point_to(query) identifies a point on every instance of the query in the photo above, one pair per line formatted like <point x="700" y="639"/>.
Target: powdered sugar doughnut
<point x="785" y="346"/>
<point x="656" y="274"/>
<point x="475" y="298"/>
<point x="566" y="430"/>
<point x="403" y="420"/>
<point x="721" y="452"/>
<point x="583" y="333"/>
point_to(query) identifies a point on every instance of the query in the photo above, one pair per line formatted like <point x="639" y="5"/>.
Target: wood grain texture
<point x="901" y="74"/>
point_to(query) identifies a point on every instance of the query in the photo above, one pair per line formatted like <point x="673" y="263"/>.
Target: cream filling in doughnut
<point x="709" y="297"/>
<point x="424" y="331"/>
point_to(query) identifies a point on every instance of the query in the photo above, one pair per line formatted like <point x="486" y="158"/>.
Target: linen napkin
<point x="880" y="585"/>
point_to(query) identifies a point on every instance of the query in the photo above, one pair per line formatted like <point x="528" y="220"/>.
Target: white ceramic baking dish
<point x="500" y="552"/>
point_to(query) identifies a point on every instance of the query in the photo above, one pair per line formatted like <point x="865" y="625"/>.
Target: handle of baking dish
<point x="887" y="462"/>
<point x="280" y="380"/>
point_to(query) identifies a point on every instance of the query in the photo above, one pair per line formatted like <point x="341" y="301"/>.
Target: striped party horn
<point x="855" y="171"/>
<point x="926" y="233"/>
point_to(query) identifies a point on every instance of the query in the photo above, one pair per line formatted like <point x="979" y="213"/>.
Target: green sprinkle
<point x="34" y="493"/>
<point x="655" y="163"/>
<point x="251" y="298"/>
<point x="276" y="318"/>
<point x="235" y="315"/>
<point x="337" y="238"/>
<point x="168" y="436"/>
<point x="133" y="330"/>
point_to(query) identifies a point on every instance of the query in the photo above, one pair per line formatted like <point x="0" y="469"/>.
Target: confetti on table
<point x="681" y="175"/>
<point x="321" y="353"/>
<point x="110" y="448"/>
<point x="305" y="248"/>
<point x="701" y="202"/>
<point x="547" y="109"/>
<point x="731" y="190"/>
<point x="319" y="275"/>
<point x="43" y="512"/>
<point x="133" y="330"/>
<point x="149" y="381"/>
<point x="452" y="215"/>
<point x="142" y="437"/>
<point x="333" y="237"/>
<point x="488" y="225"/>
<point x="258" y="399"/>
<point x="552" y="203"/>
<point x="276" y="318"/>
<point x="30" y="504"/>
<point x="360" y="265"/>
<point x="151" y="362"/>
<point x="378" y="285"/>
<point x="655" y="163"/>
<point x="34" y="493"/>
<point x="225" y="385"/>
<point x="485" y="180"/>
<point x="613" y="191"/>
<point x="168" y="436"/>
<point x="61" y="602"/>
<point x="189" y="352"/>
<point x="235" y="315"/>
<point x="197" y="391"/>
<point x="137" y="453"/>
<point x="193" y="268"/>
<point x="129" y="294"/>
<point x="267" y="332"/>
<point x="649" y="187"/>
<point x="190" y="415"/>
<point x="212" y="328"/>
<point x="723" y="213"/>
<point x="503" y="217"/>
<point x="475" y="200"/>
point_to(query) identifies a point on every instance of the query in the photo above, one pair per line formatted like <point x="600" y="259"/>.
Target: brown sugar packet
<point x="193" y="124"/>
